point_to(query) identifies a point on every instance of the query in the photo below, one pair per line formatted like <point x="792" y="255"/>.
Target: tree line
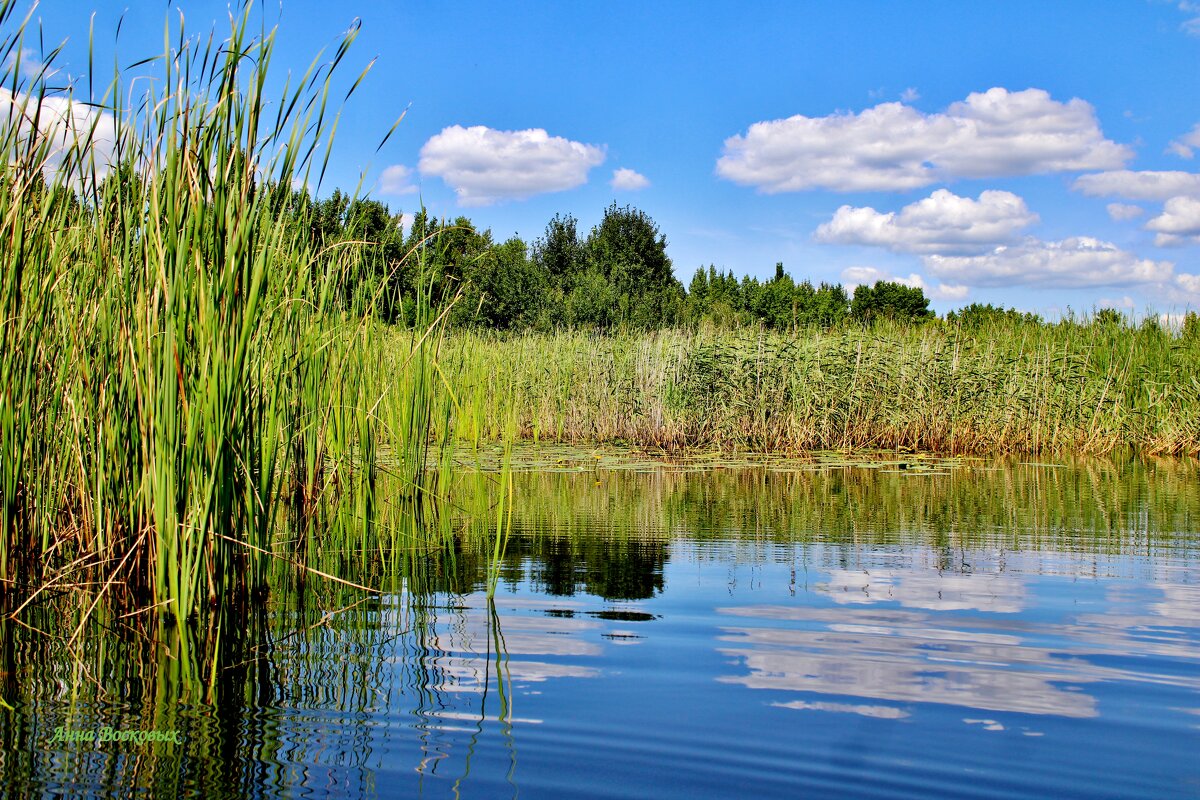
<point x="618" y="274"/>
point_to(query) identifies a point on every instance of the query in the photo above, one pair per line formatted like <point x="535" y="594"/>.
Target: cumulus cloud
<point x="1179" y="222"/>
<point x="1122" y="211"/>
<point x="893" y="146"/>
<point x="1071" y="263"/>
<point x="944" y="291"/>
<point x="910" y="95"/>
<point x="396" y="180"/>
<point x="940" y="223"/>
<point x="484" y="165"/>
<point x="406" y="221"/>
<point x="62" y="125"/>
<point x="1188" y="283"/>
<point x="853" y="277"/>
<point x="1185" y="145"/>
<point x="29" y="64"/>
<point x="1138" y="185"/>
<point x="627" y="180"/>
<point x="967" y="243"/>
<point x="1178" y="148"/>
<point x="1182" y="292"/>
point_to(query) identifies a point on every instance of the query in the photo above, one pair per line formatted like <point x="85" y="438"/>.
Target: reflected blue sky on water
<point x="721" y="649"/>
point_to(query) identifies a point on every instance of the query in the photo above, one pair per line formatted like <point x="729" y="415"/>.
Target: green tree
<point x="698" y="288"/>
<point x="443" y="256"/>
<point x="776" y="303"/>
<point x="592" y="303"/>
<point x="504" y="288"/>
<point x="827" y="305"/>
<point x="630" y="252"/>
<point x="559" y="253"/>
<point x="889" y="300"/>
<point x="379" y="278"/>
<point x="327" y="219"/>
<point x="978" y="315"/>
<point x="362" y="242"/>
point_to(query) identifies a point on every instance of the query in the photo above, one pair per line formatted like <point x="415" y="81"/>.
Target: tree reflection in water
<point x="907" y="589"/>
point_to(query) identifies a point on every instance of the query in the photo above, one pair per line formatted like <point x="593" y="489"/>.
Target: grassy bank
<point x="1007" y="387"/>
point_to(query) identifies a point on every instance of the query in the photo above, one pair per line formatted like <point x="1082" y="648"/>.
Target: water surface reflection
<point x="782" y="629"/>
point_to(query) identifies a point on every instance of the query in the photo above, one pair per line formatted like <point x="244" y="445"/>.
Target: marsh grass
<point x="1008" y="387"/>
<point x="175" y="373"/>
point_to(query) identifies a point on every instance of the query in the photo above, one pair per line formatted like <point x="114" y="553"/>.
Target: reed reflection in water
<point x="686" y="630"/>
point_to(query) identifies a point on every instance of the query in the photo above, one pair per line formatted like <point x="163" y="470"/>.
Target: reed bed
<point x="1009" y="387"/>
<point x="177" y="383"/>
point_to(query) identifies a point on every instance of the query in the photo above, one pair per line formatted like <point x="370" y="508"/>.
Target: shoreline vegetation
<point x="1007" y="387"/>
<point x="183" y="403"/>
<point x="205" y="373"/>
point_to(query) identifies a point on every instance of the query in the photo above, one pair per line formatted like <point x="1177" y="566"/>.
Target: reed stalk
<point x="1008" y="387"/>
<point x="175" y="369"/>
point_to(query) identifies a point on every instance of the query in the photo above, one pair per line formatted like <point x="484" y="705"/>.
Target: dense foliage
<point x="618" y="275"/>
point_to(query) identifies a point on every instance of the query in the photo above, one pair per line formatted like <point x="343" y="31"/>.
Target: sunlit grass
<point x="1008" y="387"/>
<point x="174" y="370"/>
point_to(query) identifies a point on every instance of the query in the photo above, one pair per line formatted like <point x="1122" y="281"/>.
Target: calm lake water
<point x="776" y="629"/>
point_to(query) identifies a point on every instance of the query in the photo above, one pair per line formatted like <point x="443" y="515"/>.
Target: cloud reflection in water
<point x="973" y="661"/>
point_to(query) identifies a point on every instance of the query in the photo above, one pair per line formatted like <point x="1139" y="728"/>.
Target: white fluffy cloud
<point x="1185" y="145"/>
<point x="944" y="291"/>
<point x="893" y="146"/>
<point x="1178" y="148"/>
<point x="396" y="180"/>
<point x="63" y="125"/>
<point x="941" y="223"/>
<point x="1188" y="283"/>
<point x="1178" y="223"/>
<point x="628" y="180"/>
<point x="853" y="277"/>
<point x="484" y="165"/>
<point x="29" y="64"/>
<point x="1182" y="292"/>
<point x="1143" y="185"/>
<point x="968" y="243"/>
<point x="1181" y="215"/>
<point x="1075" y="262"/>
<point x="1122" y="211"/>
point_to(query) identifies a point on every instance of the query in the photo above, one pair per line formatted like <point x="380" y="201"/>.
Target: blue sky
<point x="1039" y="155"/>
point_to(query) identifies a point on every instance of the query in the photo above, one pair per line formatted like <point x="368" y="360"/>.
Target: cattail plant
<point x="174" y="362"/>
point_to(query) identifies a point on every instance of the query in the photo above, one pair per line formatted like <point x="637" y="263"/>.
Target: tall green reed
<point x="1006" y="387"/>
<point x="175" y="364"/>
